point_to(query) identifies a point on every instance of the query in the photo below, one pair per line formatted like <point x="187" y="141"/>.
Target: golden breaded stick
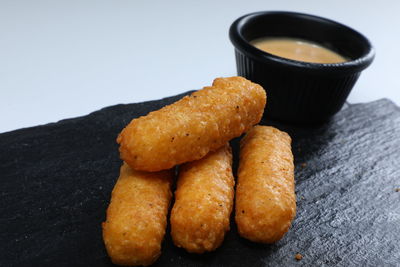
<point x="265" y="197"/>
<point x="191" y="127"/>
<point x="137" y="216"/>
<point x="203" y="202"/>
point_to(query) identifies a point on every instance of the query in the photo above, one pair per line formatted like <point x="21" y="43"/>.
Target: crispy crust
<point x="137" y="216"/>
<point x="191" y="127"/>
<point x="203" y="202"/>
<point x="265" y="197"/>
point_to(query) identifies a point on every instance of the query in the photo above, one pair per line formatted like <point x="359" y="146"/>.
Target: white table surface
<point x="67" y="58"/>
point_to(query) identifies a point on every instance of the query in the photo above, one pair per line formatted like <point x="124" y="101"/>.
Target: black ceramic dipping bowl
<point x="300" y="92"/>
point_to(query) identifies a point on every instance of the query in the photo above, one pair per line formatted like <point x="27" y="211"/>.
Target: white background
<point x="61" y="59"/>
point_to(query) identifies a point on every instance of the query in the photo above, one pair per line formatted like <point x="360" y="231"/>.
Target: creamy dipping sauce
<point x="297" y="49"/>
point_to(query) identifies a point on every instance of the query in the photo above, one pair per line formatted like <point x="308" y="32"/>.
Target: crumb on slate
<point x="303" y="165"/>
<point x="397" y="189"/>
<point x="298" y="256"/>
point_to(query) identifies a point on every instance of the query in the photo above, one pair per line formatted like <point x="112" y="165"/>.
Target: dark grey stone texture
<point x="56" y="180"/>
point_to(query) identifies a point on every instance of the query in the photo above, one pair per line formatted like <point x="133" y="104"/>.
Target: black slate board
<point x="56" y="180"/>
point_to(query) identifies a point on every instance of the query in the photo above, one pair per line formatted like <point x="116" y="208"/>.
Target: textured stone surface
<point x="56" y="180"/>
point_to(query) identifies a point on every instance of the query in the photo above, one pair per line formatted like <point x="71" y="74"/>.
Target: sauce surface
<point x="298" y="49"/>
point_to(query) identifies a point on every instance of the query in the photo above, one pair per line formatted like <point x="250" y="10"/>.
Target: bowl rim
<point x="241" y="44"/>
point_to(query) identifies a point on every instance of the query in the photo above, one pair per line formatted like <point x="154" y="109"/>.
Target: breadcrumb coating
<point x="203" y="202"/>
<point x="191" y="127"/>
<point x="137" y="216"/>
<point x="265" y="196"/>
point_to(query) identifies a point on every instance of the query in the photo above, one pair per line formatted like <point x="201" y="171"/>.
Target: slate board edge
<point x="105" y="109"/>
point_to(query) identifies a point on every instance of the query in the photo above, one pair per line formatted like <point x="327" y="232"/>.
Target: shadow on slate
<point x="56" y="180"/>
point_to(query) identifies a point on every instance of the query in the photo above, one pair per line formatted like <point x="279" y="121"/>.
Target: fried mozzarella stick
<point x="203" y="202"/>
<point x="265" y="197"/>
<point x="137" y="216"/>
<point x="191" y="127"/>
